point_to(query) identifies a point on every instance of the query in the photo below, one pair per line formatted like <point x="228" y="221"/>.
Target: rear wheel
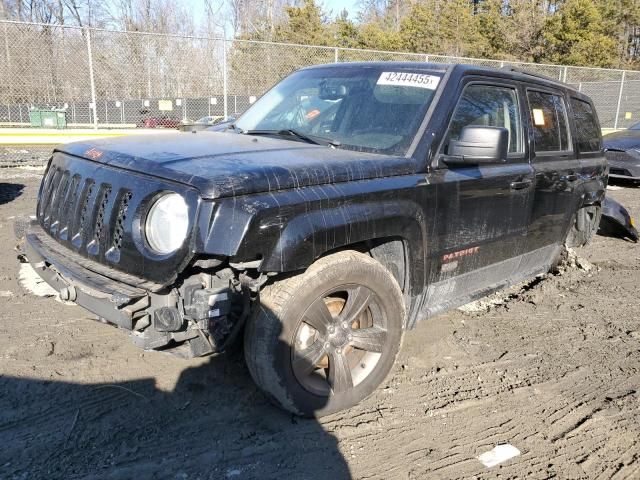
<point x="584" y="226"/>
<point x="324" y="340"/>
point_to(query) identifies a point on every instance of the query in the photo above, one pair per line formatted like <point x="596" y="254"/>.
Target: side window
<point x="549" y="120"/>
<point x="587" y="128"/>
<point x="488" y="106"/>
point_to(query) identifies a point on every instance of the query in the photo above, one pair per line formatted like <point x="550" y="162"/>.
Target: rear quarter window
<point x="588" y="133"/>
<point x="549" y="121"/>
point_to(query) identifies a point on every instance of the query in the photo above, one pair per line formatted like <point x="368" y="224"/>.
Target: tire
<point x="584" y="226"/>
<point x="341" y="359"/>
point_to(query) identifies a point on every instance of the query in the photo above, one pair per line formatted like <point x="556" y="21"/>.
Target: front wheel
<point x="322" y="341"/>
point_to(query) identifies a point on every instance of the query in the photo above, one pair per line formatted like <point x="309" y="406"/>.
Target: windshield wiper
<point x="313" y="139"/>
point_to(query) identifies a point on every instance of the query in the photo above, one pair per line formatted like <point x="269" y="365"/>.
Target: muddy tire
<point x="584" y="226"/>
<point x="322" y="341"/>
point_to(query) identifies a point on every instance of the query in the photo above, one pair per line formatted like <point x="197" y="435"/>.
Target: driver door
<point x="482" y="211"/>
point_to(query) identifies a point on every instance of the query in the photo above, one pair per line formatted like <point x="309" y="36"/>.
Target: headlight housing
<point x="167" y="223"/>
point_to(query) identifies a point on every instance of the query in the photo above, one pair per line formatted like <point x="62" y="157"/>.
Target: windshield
<point x="375" y="109"/>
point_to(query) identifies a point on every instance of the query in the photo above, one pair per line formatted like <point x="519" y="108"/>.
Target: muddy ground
<point x="553" y="371"/>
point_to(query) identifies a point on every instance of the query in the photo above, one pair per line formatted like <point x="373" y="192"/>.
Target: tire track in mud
<point x="551" y="401"/>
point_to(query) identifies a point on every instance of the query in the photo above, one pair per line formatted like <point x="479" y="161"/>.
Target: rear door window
<point x="589" y="137"/>
<point x="489" y="106"/>
<point x="549" y="122"/>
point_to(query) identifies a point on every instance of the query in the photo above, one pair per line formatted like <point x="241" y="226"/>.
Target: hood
<point x="623" y="140"/>
<point x="226" y="164"/>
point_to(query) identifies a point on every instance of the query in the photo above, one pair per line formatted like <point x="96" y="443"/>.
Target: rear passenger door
<point x="482" y="211"/>
<point x="556" y="172"/>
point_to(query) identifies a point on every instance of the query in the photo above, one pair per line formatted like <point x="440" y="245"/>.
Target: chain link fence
<point x="115" y="79"/>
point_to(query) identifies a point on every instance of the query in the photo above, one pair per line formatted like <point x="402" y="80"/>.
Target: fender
<point x="290" y="229"/>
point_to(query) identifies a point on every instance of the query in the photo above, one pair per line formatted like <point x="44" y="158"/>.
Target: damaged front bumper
<point x="113" y="301"/>
<point x="131" y="303"/>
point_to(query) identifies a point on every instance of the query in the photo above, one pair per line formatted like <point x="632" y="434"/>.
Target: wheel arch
<point x="396" y="238"/>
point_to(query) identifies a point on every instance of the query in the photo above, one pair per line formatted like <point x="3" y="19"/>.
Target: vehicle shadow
<point x="214" y="424"/>
<point x="10" y="191"/>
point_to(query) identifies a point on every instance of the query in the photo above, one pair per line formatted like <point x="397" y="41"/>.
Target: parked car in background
<point x="201" y="124"/>
<point x="622" y="150"/>
<point x="163" y="121"/>
<point x="348" y="203"/>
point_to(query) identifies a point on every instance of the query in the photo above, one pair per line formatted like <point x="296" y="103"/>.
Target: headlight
<point x="167" y="223"/>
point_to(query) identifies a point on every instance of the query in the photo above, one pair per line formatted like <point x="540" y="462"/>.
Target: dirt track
<point x="554" y="371"/>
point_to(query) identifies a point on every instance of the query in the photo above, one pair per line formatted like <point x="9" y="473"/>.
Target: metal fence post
<point x="615" y="124"/>
<point x="564" y="75"/>
<point x="149" y="67"/>
<point x="335" y="55"/>
<point x="224" y="78"/>
<point x="93" y="83"/>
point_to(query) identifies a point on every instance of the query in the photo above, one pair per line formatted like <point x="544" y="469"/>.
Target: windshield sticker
<point x="312" y="114"/>
<point x="408" y="79"/>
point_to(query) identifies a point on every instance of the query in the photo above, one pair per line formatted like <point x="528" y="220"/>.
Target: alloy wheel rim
<point x="339" y="341"/>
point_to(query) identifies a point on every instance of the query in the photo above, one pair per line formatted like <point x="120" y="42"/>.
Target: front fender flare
<point x="308" y="236"/>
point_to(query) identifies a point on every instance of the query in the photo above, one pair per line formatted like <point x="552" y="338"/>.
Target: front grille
<point x="76" y="209"/>
<point x="94" y="210"/>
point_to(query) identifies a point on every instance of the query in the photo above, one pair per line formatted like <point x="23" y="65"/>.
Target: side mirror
<point x="478" y="145"/>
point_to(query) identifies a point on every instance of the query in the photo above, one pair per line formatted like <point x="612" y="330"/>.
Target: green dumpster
<point x="48" y="118"/>
<point x="35" y="118"/>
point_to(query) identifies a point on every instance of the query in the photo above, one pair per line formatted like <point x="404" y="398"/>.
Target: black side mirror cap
<point x="479" y="145"/>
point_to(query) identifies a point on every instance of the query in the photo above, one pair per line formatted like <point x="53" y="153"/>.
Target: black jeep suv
<point x="346" y="204"/>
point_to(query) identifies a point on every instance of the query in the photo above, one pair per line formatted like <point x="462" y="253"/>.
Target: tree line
<point x="599" y="33"/>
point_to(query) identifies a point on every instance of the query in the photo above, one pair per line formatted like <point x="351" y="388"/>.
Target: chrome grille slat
<point x="45" y="205"/>
<point x="57" y="203"/>
<point x="100" y="217"/>
<point x="87" y="194"/>
<point x="46" y="191"/>
<point x="69" y="206"/>
<point x="113" y="254"/>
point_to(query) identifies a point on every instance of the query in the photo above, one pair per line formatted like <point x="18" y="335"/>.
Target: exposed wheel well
<point x="390" y="252"/>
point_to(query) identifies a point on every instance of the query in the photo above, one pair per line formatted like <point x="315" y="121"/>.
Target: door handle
<point x="572" y="177"/>
<point x="520" y="185"/>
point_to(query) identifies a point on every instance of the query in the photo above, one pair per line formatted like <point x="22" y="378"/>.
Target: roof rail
<point x="526" y="72"/>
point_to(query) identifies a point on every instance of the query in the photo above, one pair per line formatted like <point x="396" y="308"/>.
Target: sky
<point x="333" y="7"/>
<point x="338" y="5"/>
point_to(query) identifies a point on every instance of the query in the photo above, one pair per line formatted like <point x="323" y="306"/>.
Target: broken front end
<point x="122" y="246"/>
